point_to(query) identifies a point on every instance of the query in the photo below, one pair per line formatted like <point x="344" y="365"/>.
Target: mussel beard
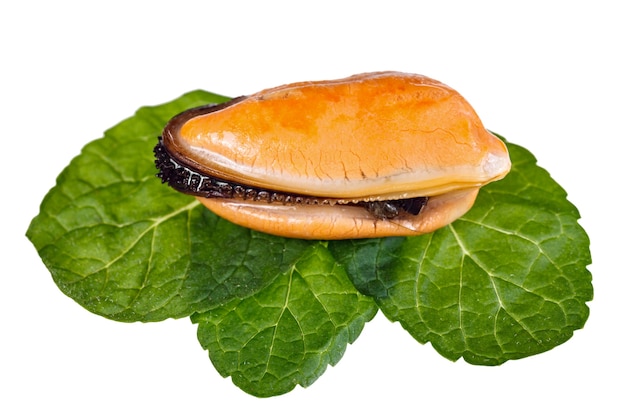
<point x="188" y="180"/>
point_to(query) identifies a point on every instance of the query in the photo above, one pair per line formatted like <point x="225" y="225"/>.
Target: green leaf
<point x="505" y="281"/>
<point x="129" y="248"/>
<point x="289" y="332"/>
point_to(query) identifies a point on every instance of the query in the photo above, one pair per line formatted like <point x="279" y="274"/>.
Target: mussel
<point x="371" y="155"/>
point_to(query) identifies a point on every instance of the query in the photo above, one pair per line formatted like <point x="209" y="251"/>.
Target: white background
<point x="548" y="75"/>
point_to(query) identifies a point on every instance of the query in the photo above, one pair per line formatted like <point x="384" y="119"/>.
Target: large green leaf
<point x="288" y="333"/>
<point x="131" y="249"/>
<point x="505" y="281"/>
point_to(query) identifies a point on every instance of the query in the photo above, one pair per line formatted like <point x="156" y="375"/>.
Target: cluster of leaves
<point x="505" y="281"/>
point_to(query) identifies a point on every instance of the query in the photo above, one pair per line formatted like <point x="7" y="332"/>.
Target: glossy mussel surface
<point x="372" y="155"/>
